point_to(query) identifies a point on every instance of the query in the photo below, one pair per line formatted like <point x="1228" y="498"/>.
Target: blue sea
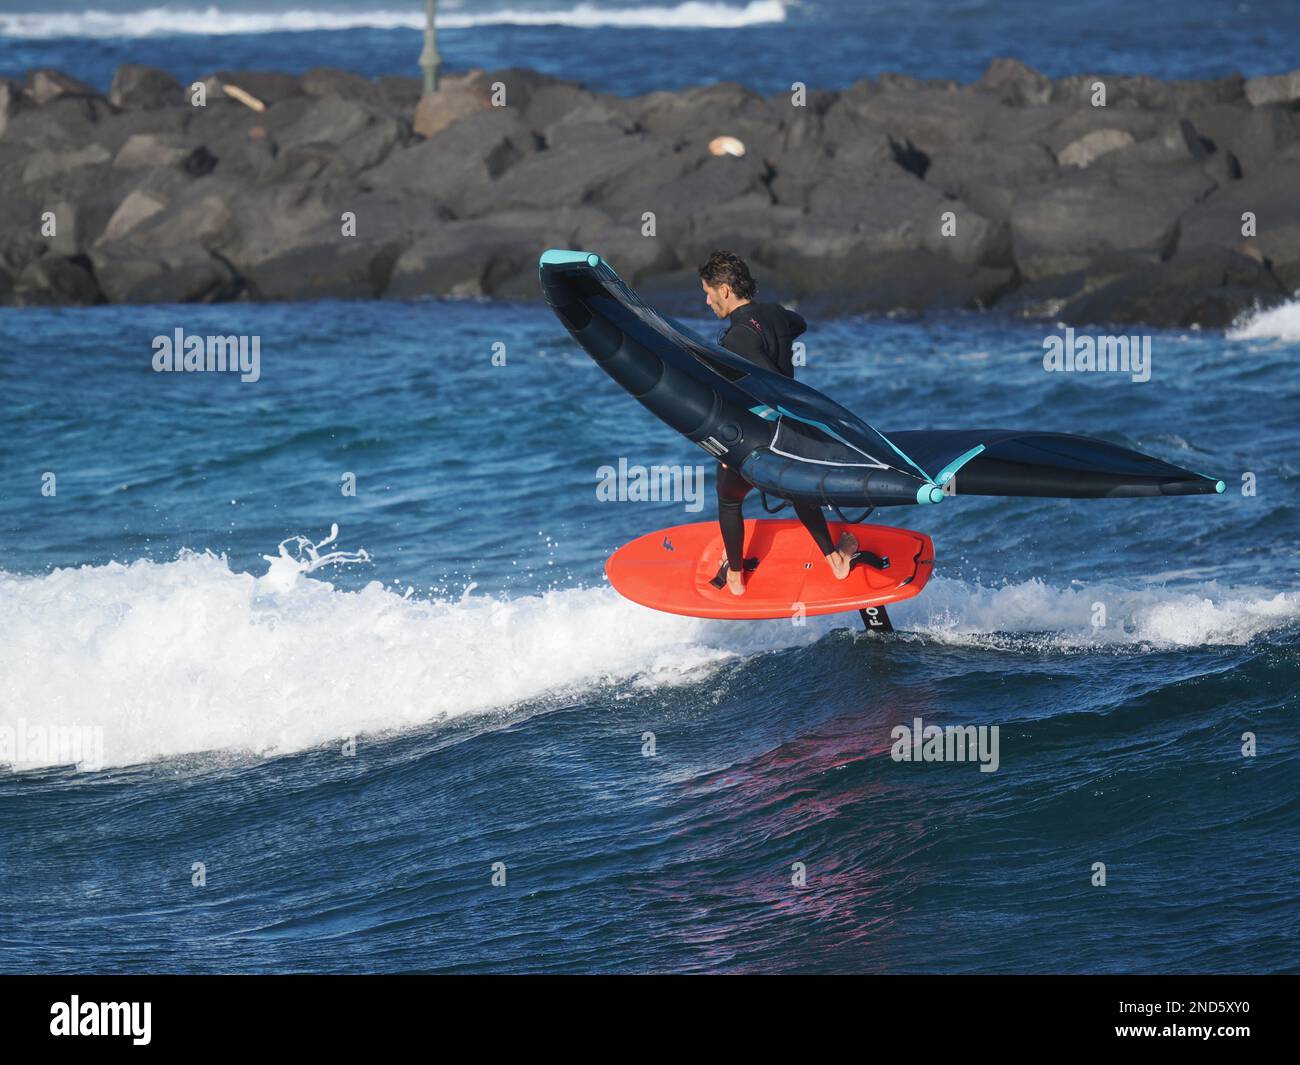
<point x="630" y="47"/>
<point x="350" y="752"/>
<point x="320" y="671"/>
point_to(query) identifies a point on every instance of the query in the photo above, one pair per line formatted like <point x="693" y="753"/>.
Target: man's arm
<point x="746" y="341"/>
<point x="797" y="324"/>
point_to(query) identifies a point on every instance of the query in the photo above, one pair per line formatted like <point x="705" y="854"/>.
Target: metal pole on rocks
<point x="430" y="60"/>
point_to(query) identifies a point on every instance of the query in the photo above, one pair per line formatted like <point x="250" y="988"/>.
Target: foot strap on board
<point x="720" y="581"/>
<point x="866" y="558"/>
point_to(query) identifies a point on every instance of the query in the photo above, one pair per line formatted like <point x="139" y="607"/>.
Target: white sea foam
<point x="189" y="656"/>
<point x="1135" y="615"/>
<point x="168" y="21"/>
<point x="166" y="659"/>
<point x="1279" y="323"/>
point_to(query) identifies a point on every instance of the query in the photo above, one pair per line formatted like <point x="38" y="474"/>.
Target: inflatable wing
<point x="793" y="442"/>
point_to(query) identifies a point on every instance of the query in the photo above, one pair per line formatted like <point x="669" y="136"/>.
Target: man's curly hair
<point x="723" y="267"/>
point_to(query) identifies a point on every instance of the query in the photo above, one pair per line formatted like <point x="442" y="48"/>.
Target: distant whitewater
<point x="214" y="20"/>
<point x="1278" y="323"/>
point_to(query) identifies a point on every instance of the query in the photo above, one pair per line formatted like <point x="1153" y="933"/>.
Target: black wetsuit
<point x="764" y="334"/>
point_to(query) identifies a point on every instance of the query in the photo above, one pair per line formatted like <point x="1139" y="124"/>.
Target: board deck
<point x="670" y="570"/>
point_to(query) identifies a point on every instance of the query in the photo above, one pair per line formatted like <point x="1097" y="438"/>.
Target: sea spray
<point x="289" y="561"/>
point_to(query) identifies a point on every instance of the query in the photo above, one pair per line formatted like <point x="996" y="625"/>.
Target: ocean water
<point x="455" y="695"/>
<point x="441" y="742"/>
<point x="629" y="47"/>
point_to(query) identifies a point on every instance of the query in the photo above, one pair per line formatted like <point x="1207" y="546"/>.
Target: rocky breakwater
<point x="1087" y="199"/>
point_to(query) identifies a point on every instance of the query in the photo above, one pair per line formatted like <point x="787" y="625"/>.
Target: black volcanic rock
<point x="55" y="280"/>
<point x="1204" y="286"/>
<point x="144" y="88"/>
<point x="897" y="193"/>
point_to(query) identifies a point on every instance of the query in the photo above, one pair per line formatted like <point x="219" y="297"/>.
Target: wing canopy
<point x="1010" y="462"/>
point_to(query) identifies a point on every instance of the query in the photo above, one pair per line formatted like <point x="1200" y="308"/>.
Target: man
<point x="763" y="333"/>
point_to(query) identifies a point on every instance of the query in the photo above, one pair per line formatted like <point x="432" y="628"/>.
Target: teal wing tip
<point x="929" y="493"/>
<point x="564" y="256"/>
<point x="1220" y="487"/>
<point x="950" y="471"/>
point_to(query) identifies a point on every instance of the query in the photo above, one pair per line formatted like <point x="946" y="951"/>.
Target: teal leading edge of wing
<point x="561" y="256"/>
<point x="948" y="472"/>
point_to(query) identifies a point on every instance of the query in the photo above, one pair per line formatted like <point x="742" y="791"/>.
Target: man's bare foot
<point x="841" y="558"/>
<point x="839" y="564"/>
<point x="735" y="582"/>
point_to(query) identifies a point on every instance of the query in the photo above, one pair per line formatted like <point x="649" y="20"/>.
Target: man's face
<point x="719" y="299"/>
